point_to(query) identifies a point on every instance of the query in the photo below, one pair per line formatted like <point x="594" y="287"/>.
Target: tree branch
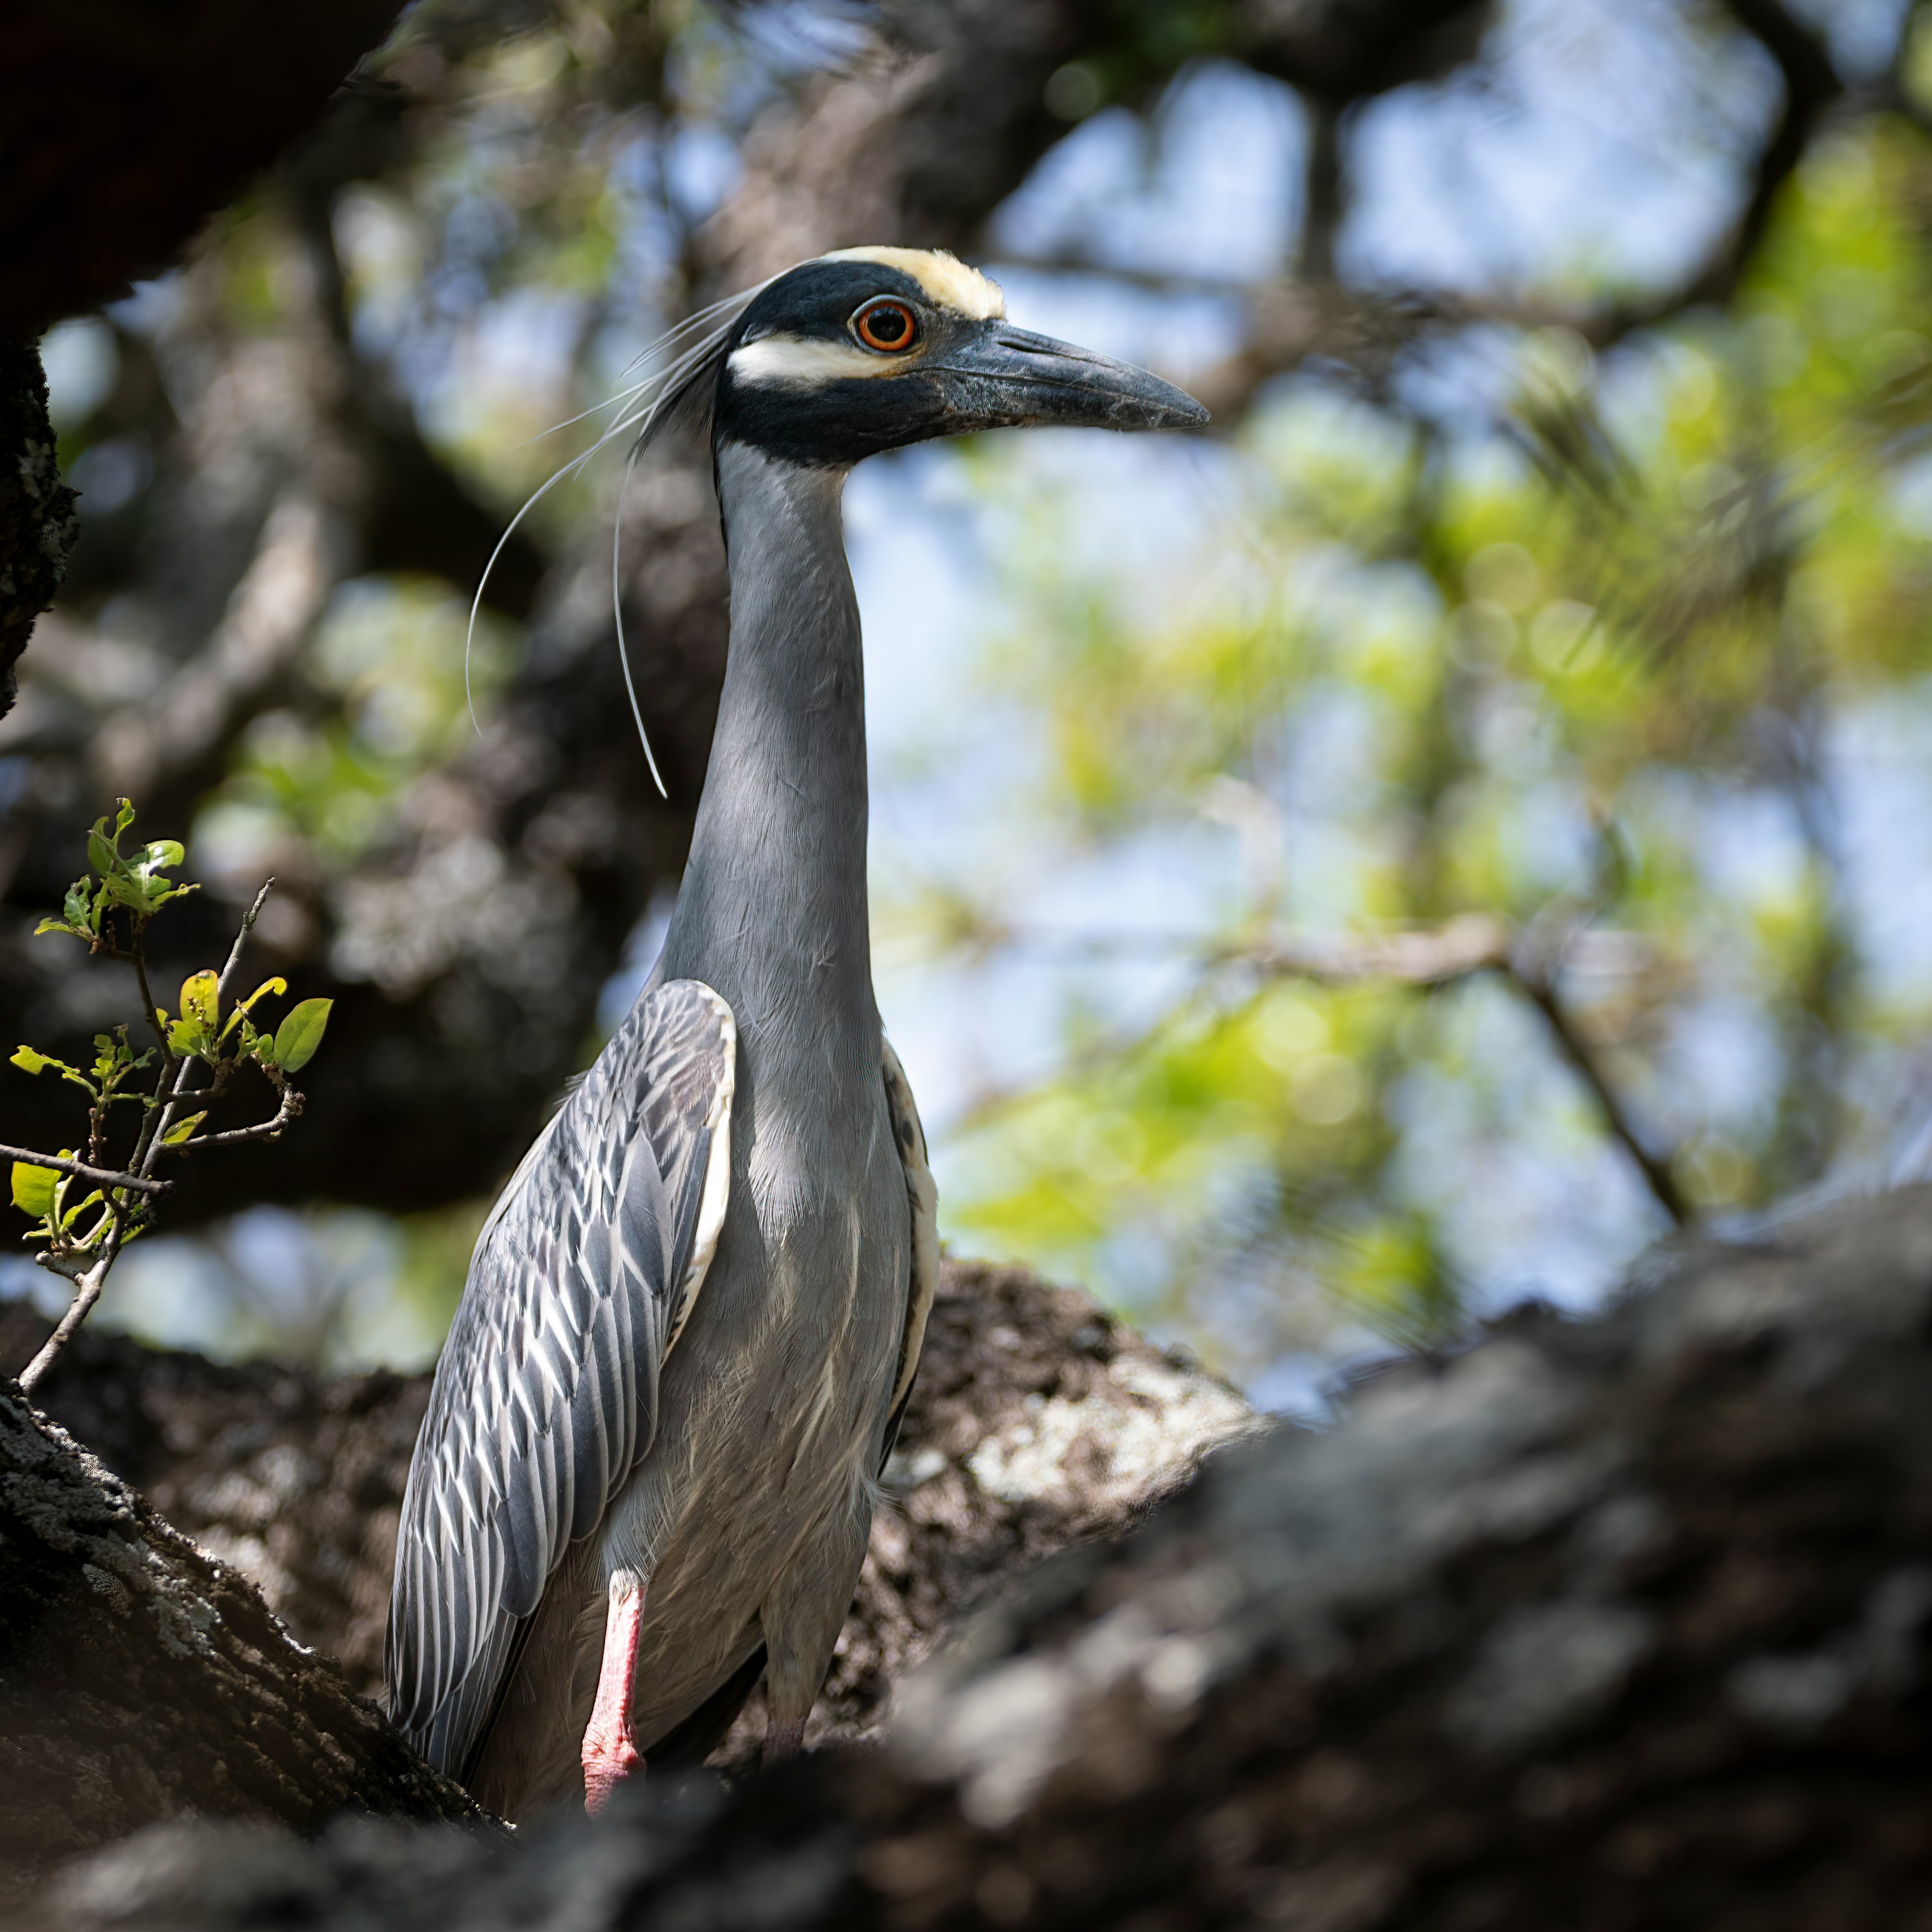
<point x="87" y="1292"/>
<point x="1537" y="989"/>
<point x="263" y="1130"/>
<point x="1429" y="956"/>
<point x="150" y="1150"/>
<point x="1314" y="316"/>
<point x="144" y="1678"/>
<point x="247" y="926"/>
<point x="101" y="1177"/>
<point x="1457" y="951"/>
<point x="176" y="739"/>
<point x="1424" y="957"/>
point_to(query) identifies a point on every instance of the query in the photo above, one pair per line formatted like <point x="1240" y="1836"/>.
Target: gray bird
<point x="648" y="1469"/>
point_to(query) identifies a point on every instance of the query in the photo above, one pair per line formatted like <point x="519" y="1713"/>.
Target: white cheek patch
<point x="792" y="362"/>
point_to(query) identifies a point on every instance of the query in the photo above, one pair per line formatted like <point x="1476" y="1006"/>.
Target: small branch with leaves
<point x="165" y="1091"/>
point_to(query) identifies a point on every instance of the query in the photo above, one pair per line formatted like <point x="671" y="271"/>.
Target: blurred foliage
<point x="1607" y="658"/>
<point x="398" y="667"/>
<point x="1475" y="618"/>
<point x="337" y="1290"/>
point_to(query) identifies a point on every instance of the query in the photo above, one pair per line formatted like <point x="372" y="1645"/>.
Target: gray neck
<point x="772" y="911"/>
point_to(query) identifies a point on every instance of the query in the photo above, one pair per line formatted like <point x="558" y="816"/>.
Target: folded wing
<point x="545" y="1399"/>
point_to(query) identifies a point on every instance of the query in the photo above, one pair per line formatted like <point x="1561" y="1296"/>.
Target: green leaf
<point x="77" y="913"/>
<point x="186" y="1038"/>
<point x="34" y="1189"/>
<point x="276" y="986"/>
<point x="183" y="1130"/>
<point x="101" y="855"/>
<point x="145" y="870"/>
<point x="201" y="998"/>
<point x="122" y="888"/>
<point x="29" y="1061"/>
<point x="80" y="1207"/>
<point x="123" y="819"/>
<point x="301" y="1033"/>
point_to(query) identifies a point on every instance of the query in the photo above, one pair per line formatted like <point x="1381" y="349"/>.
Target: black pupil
<point x="887" y="324"/>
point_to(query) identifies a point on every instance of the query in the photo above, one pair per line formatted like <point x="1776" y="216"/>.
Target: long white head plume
<point x="673" y="367"/>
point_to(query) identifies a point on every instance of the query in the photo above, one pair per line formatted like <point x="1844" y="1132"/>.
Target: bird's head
<point x="871" y="349"/>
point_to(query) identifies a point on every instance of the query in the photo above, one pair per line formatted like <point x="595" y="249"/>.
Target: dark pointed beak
<point x="1002" y="377"/>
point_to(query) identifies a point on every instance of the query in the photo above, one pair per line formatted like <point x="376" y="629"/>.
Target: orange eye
<point x="886" y="325"/>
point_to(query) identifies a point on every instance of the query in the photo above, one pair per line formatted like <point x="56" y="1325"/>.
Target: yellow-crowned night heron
<point x="629" y="1499"/>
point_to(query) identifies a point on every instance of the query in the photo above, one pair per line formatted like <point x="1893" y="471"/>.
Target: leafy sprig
<point x="85" y="1210"/>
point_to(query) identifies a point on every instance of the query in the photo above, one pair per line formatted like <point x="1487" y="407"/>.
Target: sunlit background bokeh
<point x="1625" y="647"/>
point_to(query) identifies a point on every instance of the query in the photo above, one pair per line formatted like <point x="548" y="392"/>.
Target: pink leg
<point x="610" y="1752"/>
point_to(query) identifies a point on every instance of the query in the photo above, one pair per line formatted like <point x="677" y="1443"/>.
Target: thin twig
<point x="101" y="1177"/>
<point x="150" y="1113"/>
<point x="152" y="1151"/>
<point x="248" y="919"/>
<point x="164" y="1119"/>
<point x="137" y="958"/>
<point x="1429" y="956"/>
<point x="1536" y="988"/>
<point x="264" y="1130"/>
<point x="88" y="1292"/>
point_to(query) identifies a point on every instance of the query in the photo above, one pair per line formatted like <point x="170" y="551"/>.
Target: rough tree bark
<point x="37" y="522"/>
<point x="120" y="133"/>
<point x="1600" y="1625"/>
<point x="141" y="1677"/>
<point x="123" y="127"/>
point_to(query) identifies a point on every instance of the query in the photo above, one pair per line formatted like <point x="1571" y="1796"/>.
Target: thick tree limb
<point x="38" y="526"/>
<point x="140" y="1677"/>
<point x="123" y="129"/>
<point x="1621" y="1623"/>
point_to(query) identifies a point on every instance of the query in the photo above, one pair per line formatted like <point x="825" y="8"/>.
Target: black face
<point x="842" y="358"/>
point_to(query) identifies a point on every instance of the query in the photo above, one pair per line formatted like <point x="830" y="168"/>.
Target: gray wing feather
<point x="545" y="1399"/>
<point x="922" y="1197"/>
